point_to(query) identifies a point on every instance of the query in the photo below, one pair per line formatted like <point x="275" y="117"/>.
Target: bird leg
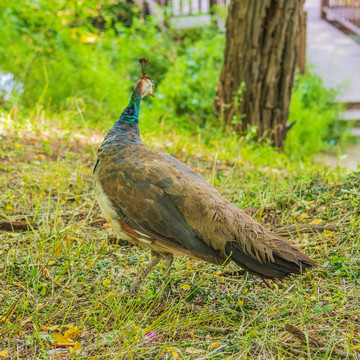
<point x="169" y="258"/>
<point x="154" y="260"/>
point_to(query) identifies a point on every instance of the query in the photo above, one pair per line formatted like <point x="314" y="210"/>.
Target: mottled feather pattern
<point x="160" y="203"/>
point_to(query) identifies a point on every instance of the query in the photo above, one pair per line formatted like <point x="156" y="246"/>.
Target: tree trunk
<point x="259" y="66"/>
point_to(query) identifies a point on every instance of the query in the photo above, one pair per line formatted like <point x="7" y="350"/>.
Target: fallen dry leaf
<point x="316" y="222"/>
<point x="61" y="340"/>
<point x="185" y="287"/>
<point x="72" y="333"/>
<point x="75" y="348"/>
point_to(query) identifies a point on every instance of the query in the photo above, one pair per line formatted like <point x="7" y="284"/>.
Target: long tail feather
<point x="286" y="260"/>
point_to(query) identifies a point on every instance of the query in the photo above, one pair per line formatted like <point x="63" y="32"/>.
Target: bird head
<point x="145" y="85"/>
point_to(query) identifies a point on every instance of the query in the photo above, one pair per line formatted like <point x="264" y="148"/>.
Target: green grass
<point x="52" y="278"/>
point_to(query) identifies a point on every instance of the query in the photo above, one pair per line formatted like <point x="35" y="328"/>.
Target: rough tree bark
<point x="261" y="52"/>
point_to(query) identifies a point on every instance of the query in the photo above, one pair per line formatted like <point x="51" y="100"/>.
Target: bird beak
<point x="152" y="94"/>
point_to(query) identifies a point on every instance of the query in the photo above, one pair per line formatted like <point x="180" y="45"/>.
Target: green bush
<point x="73" y="57"/>
<point x="188" y="89"/>
<point x="316" y="117"/>
<point x="63" y="67"/>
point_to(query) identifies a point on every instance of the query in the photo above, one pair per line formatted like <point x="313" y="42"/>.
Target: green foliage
<point x="315" y="113"/>
<point x="188" y="89"/>
<point x="73" y="57"/>
<point x="64" y="67"/>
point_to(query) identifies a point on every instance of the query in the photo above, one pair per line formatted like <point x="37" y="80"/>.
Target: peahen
<point x="153" y="200"/>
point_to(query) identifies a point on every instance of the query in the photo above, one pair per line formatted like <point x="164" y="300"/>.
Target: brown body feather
<point x="156" y="201"/>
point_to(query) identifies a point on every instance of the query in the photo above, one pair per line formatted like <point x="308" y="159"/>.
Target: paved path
<point x="336" y="58"/>
<point x="334" y="55"/>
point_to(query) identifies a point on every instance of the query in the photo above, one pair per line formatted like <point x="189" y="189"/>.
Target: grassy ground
<point x="64" y="284"/>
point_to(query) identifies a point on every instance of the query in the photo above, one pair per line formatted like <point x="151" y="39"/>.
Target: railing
<point x="345" y="12"/>
<point x="192" y="7"/>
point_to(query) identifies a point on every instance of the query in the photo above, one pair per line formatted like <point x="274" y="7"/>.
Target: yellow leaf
<point x="18" y="145"/>
<point x="21" y="332"/>
<point x="93" y="358"/>
<point x="74" y="348"/>
<point x="309" y="202"/>
<point x="51" y="262"/>
<point x="214" y="345"/>
<point x="47" y="273"/>
<point x="71" y="333"/>
<point x="185" y="287"/>
<point x="61" y="340"/>
<point x="303" y="216"/>
<point x="57" y="251"/>
<point x="318" y="247"/>
<point x="4" y="353"/>
<point x="106" y="225"/>
<point x="40" y="157"/>
<point x="175" y="355"/>
<point x="188" y="265"/>
<point x="240" y="303"/>
<point x="357" y="348"/>
<point x="19" y="284"/>
<point x="106" y="282"/>
<point x="316" y="222"/>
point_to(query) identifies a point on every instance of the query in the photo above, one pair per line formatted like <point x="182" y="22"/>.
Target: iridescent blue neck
<point x="131" y="113"/>
<point x="126" y="128"/>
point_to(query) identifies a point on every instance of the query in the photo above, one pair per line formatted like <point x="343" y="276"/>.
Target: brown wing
<point x="147" y="192"/>
<point x="166" y="200"/>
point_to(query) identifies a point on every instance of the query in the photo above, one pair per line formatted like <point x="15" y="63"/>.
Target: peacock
<point x="157" y="202"/>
